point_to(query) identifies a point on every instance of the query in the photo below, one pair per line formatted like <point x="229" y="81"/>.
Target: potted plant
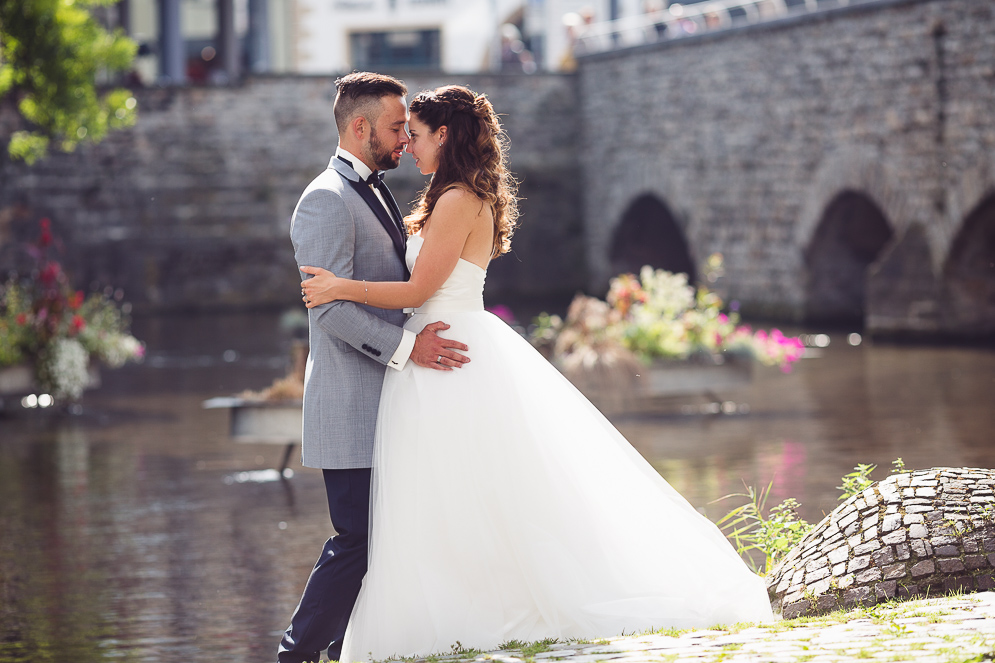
<point x="50" y="334"/>
<point x="657" y="335"/>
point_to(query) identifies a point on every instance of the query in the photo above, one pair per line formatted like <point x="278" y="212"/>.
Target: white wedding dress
<point x="506" y="507"/>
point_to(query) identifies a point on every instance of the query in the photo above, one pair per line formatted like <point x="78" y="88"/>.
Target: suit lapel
<point x="397" y="237"/>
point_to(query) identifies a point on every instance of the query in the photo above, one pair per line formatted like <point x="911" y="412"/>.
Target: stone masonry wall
<point x="190" y="208"/>
<point x="924" y="533"/>
<point x="747" y="136"/>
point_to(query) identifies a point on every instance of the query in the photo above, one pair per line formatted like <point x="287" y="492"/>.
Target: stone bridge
<point x="842" y="161"/>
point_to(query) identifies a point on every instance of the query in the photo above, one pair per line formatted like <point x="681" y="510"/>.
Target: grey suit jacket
<point x="333" y="227"/>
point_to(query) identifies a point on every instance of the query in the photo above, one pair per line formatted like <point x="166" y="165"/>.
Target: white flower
<point x="67" y="368"/>
<point x="119" y="348"/>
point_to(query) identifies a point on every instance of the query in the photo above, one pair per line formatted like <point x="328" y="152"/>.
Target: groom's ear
<point x="359" y="127"/>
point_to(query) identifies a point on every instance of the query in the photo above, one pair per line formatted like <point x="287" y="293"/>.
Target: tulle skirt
<point x="506" y="507"/>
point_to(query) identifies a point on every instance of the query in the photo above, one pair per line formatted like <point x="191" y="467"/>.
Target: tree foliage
<point x="51" y="54"/>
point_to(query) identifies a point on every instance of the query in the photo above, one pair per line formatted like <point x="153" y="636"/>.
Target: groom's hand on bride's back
<point x="433" y="351"/>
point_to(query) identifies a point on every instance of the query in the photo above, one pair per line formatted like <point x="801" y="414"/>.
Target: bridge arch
<point x="848" y="239"/>
<point x="859" y="168"/>
<point x="648" y="234"/>
<point x="968" y="299"/>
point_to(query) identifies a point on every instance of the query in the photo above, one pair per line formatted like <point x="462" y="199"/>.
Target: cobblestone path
<point x="952" y="629"/>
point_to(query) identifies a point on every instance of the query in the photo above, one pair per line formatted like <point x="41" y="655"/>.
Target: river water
<point x="135" y="530"/>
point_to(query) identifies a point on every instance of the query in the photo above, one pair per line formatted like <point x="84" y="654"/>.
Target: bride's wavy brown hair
<point x="473" y="157"/>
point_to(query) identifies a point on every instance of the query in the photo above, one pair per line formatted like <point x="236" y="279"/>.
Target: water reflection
<point x="128" y="534"/>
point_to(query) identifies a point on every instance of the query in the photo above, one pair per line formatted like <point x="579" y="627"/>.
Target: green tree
<point x="51" y="54"/>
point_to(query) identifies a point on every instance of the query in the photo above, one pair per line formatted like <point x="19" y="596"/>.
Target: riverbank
<point x="952" y="629"/>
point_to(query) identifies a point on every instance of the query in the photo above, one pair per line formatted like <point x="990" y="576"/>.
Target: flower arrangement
<point x="658" y="315"/>
<point x="57" y="329"/>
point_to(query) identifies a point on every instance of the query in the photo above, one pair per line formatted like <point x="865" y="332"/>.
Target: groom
<point x="347" y="222"/>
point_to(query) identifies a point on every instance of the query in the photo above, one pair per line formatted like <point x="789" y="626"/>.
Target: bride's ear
<point x="443" y="131"/>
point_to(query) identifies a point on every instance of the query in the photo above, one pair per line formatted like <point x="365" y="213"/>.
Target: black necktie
<point x="375" y="178"/>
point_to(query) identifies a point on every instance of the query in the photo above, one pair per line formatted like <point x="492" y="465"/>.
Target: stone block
<point x="815" y="564"/>
<point x="886" y="589"/>
<point x="819" y="588"/>
<point x="818" y="574"/>
<point x="858" y="563"/>
<point x="944" y="540"/>
<point x="891" y="522"/>
<point x="950" y="565"/>
<point x="921" y="508"/>
<point x="959" y="584"/>
<point x="838" y="555"/>
<point x="827" y="602"/>
<point x="856" y="596"/>
<point x="868" y="575"/>
<point x="923" y="568"/>
<point x="985" y="583"/>
<point x="911" y="518"/>
<point x="907" y="590"/>
<point x="868" y="547"/>
<point x="883" y="557"/>
<point x="846" y="581"/>
<point x="793" y="597"/>
<point x="918" y="531"/>
<point x="902" y="551"/>
<point x="974" y="562"/>
<point x="848" y="519"/>
<point x="840" y="569"/>
<point x="892" y="538"/>
<point x="893" y="571"/>
<point x="795" y="609"/>
<point x="871" y="535"/>
<point x="947" y="551"/>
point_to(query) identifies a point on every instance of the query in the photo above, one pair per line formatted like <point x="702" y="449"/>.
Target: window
<point x="418" y="49"/>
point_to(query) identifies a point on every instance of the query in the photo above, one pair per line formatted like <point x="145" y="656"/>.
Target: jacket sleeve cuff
<point x="403" y="352"/>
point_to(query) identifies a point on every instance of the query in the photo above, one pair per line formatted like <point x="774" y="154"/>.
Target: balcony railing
<point x="679" y="21"/>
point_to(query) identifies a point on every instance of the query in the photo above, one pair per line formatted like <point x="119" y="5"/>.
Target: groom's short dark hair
<point x="360" y="92"/>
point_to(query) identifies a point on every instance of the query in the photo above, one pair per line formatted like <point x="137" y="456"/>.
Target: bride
<point x="504" y="505"/>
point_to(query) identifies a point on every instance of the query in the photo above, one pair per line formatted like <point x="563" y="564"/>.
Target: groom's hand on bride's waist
<point x="433" y="351"/>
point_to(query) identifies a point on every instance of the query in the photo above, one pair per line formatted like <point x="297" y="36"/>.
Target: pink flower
<point x="22" y="318"/>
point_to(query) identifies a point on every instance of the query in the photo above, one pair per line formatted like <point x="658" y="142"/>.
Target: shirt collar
<point x="361" y="168"/>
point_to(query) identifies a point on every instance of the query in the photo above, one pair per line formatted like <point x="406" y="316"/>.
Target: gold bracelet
<point x="367" y="290"/>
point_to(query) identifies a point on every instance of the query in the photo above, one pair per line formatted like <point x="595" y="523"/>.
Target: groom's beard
<point x="382" y="157"/>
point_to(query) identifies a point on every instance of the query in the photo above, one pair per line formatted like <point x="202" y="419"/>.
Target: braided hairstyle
<point x="473" y="157"/>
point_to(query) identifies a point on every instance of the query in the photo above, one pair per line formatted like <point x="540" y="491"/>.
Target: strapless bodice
<point x="462" y="291"/>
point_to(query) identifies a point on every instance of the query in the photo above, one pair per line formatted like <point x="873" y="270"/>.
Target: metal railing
<point x="680" y="21"/>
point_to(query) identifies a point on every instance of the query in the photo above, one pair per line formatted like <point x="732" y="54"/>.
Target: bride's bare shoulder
<point x="461" y="202"/>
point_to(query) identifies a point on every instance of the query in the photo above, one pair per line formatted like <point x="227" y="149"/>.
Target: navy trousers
<point x="320" y="619"/>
